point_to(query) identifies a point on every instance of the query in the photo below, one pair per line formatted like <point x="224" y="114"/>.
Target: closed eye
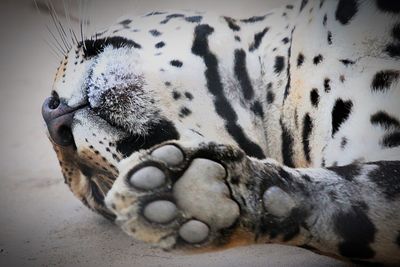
<point x="92" y="48"/>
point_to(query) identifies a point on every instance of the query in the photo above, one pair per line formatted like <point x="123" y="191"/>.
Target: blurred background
<point x="41" y="223"/>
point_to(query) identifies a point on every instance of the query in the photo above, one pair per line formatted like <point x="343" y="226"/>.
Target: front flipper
<point x="214" y="196"/>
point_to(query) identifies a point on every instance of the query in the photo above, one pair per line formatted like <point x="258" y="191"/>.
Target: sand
<point x="41" y="223"/>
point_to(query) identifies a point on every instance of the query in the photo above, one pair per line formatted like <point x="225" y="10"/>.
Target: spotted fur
<point x="301" y="100"/>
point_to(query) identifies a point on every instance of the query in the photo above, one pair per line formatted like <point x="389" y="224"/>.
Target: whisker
<point x="56" y="48"/>
<point x="74" y="37"/>
<point x="60" y="47"/>
<point x="59" y="25"/>
<point x="43" y="7"/>
<point x="81" y="24"/>
<point x="66" y="38"/>
<point x="63" y="33"/>
<point x="55" y="23"/>
<point x="86" y="17"/>
<point x="53" y="50"/>
<point x="82" y="38"/>
<point x="56" y="45"/>
<point x="39" y="6"/>
<point x="67" y="16"/>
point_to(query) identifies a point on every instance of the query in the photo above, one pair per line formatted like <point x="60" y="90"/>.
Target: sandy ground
<point x="41" y="223"/>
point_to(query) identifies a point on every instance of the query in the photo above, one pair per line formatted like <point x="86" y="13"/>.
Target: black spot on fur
<point x="188" y="95"/>
<point x="340" y="114"/>
<point x="329" y="37"/>
<point x="324" y="20"/>
<point x="287" y="228"/>
<point x="347" y="62"/>
<point x="94" y="47"/>
<point x="154" y="13"/>
<point x="159" y="44"/>
<point x="285" y="40"/>
<point x="200" y="43"/>
<point x="357" y="232"/>
<point x="253" y="19"/>
<point x="171" y="16"/>
<point x="167" y="83"/>
<point x="125" y="22"/>
<point x="237" y="38"/>
<point x="176" y="63"/>
<point x="288" y="73"/>
<point x="197" y="132"/>
<point x="384" y="120"/>
<point x="396" y="31"/>
<point x="157" y="133"/>
<point x="327" y="85"/>
<point x="318" y="59"/>
<point x="257" y="39"/>
<point x="303" y="4"/>
<point x="387" y="178"/>
<point x="287" y="145"/>
<point x="176" y="95"/>
<point x="391" y="6"/>
<point x="306" y="177"/>
<point x="391" y="140"/>
<point x="300" y="59"/>
<point x="346" y="10"/>
<point x="343" y="143"/>
<point x="279" y="64"/>
<point x="314" y="97"/>
<point x="348" y="172"/>
<point x="307" y="130"/>
<point x="232" y="24"/>
<point x="384" y="79"/>
<point x="393" y="50"/>
<point x="242" y="75"/>
<point x="214" y="85"/>
<point x="155" y="33"/>
<point x="194" y="19"/>
<point x="257" y="109"/>
<point x="184" y="112"/>
<point x="270" y="97"/>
